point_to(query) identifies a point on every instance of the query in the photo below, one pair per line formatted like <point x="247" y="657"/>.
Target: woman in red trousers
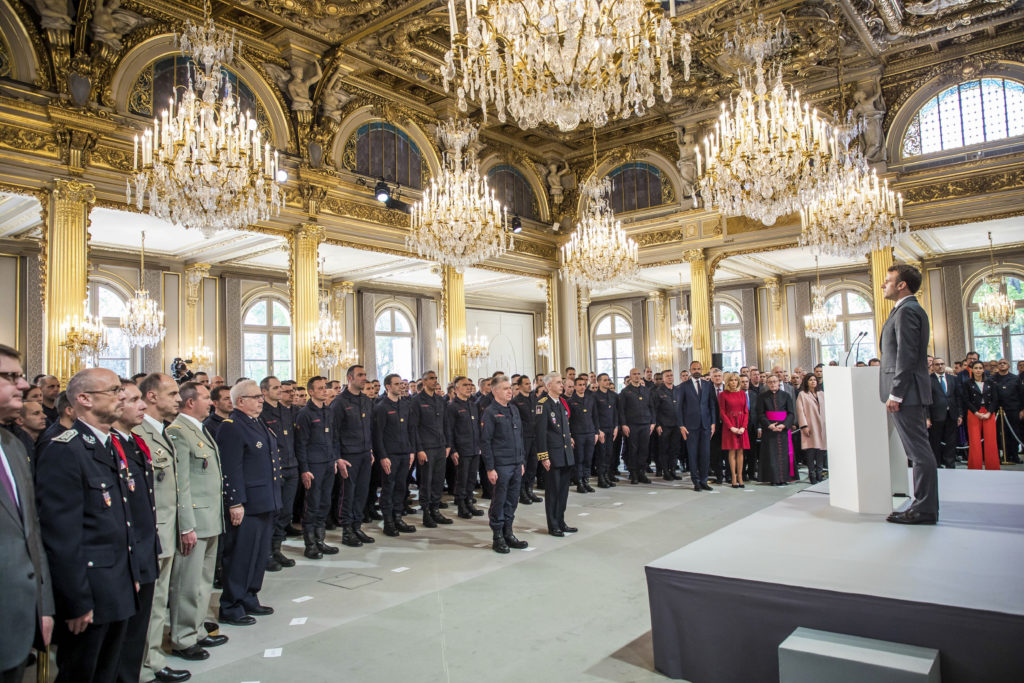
<point x="981" y="400"/>
<point x="732" y="406"/>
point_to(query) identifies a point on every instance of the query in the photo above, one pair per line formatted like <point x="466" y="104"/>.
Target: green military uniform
<point x="200" y="509"/>
<point x="165" y="494"/>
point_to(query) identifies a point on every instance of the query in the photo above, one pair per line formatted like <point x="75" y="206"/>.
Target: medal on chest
<point x="106" y="498"/>
<point x="259" y="444"/>
<point x="131" y="483"/>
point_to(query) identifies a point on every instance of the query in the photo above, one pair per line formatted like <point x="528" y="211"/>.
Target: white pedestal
<point x="859" y="461"/>
<point x="811" y="656"/>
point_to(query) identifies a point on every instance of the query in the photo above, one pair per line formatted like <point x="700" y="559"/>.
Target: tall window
<point x="267" y="340"/>
<point x="393" y="338"/>
<point x="729" y="336"/>
<point x="998" y="342"/>
<point x="853" y="316"/>
<point x="108" y="305"/>
<point x="513" y="191"/>
<point x="635" y="186"/>
<point x="381" y="150"/>
<point x="969" y="113"/>
<point x="613" y="346"/>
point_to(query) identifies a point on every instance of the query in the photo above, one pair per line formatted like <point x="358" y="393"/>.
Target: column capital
<point x="74" y="191"/>
<point x="313" y="232"/>
<point x="772" y="284"/>
<point x="692" y="255"/>
<point x="341" y="289"/>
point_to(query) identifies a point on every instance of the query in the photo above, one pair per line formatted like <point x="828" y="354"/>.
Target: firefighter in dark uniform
<point x="279" y="419"/>
<point x="82" y="491"/>
<point x="252" y="498"/>
<point x="554" y="451"/>
<point x="637" y="422"/>
<point x="666" y="422"/>
<point x="392" y="446"/>
<point x="502" y="445"/>
<point x="353" y="421"/>
<point x="462" y="426"/>
<point x="606" y="459"/>
<point x="526" y="401"/>
<point x="428" y="435"/>
<point x="1011" y="401"/>
<point x="584" y="427"/>
<point x="315" y="452"/>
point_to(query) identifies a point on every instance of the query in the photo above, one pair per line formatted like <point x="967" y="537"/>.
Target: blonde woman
<point x="810" y="415"/>
<point x="732" y="406"/>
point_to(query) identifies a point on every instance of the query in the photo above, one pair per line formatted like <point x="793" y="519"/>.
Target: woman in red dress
<point x="732" y="406"/>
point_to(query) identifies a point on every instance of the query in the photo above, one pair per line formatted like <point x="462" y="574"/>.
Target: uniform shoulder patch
<point x="228" y="419"/>
<point x="542" y="399"/>
<point x="65" y="437"/>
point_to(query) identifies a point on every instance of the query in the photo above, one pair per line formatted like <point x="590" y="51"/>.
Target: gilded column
<point x="583" y="320"/>
<point x="775" y="345"/>
<point x="194" y="275"/>
<point x="881" y="259"/>
<point x="660" y="351"/>
<point x="305" y="292"/>
<point x="554" y="320"/>
<point x="453" y="292"/>
<point x="66" y="266"/>
<point x="700" y="306"/>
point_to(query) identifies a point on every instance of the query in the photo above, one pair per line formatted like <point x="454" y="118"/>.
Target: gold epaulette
<point x="542" y="456"/>
<point x="542" y="399"/>
<point x="228" y="419"/>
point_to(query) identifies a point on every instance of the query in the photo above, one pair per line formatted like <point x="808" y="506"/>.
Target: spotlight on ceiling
<point x="382" y="191"/>
<point x="517" y="224"/>
<point x="282" y="175"/>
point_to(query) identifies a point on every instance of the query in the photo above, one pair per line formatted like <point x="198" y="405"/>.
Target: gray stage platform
<point x="720" y="606"/>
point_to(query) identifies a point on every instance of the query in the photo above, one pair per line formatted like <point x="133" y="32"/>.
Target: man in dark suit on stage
<point x="905" y="389"/>
<point x="945" y="414"/>
<point x="698" y="413"/>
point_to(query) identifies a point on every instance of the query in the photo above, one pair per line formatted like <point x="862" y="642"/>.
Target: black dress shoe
<point x="193" y="653"/>
<point x="706" y="487"/>
<point x="292" y="532"/>
<point x="499" y="545"/>
<point x="212" y="641"/>
<point x="512" y="542"/>
<point x="912" y="517"/>
<point x="555" y="532"/>
<point x="443" y="505"/>
<point x="569" y="529"/>
<point x="697" y="488"/>
<point x="534" y="497"/>
<point x="245" y="620"/>
<point x="259" y="611"/>
<point x="169" y="675"/>
<point x="643" y="478"/>
<point x="403" y="527"/>
<point x="580" y="489"/>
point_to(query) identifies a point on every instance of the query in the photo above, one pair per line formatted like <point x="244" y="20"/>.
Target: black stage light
<point x="517" y="224"/>
<point x="382" y="191"/>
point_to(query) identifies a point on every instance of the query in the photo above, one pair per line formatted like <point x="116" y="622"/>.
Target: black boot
<point x="643" y="478"/>
<point x="579" y="488"/>
<point x="312" y="549"/>
<point x="586" y="485"/>
<point x="438" y="517"/>
<point x="613" y="476"/>
<point x="428" y="519"/>
<point x="389" y="528"/>
<point x="276" y="554"/>
<point x="533" y="496"/>
<point x="499" y="545"/>
<point x="402" y="526"/>
<point x="512" y="542"/>
<point x="473" y="510"/>
<point x="361" y="535"/>
<point x="524" y="497"/>
<point x="464" y="512"/>
<point x="321" y="534"/>
<point x="349" y="538"/>
<point x="602" y="481"/>
<point x="633" y="478"/>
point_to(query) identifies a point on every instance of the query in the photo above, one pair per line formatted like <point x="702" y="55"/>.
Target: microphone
<point x="860" y="335"/>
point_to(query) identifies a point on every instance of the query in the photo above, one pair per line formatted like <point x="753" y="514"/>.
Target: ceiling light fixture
<point x="143" y="321"/>
<point x="820" y="323"/>
<point x="995" y="309"/>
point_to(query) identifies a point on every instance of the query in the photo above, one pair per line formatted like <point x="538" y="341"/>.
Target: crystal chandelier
<point x="328" y="345"/>
<point x="820" y="323"/>
<point x="682" y="331"/>
<point x="659" y="356"/>
<point x="459" y="222"/>
<point x="143" y="321"/>
<point x="84" y="337"/>
<point x="563" y="62"/>
<point x="544" y="341"/>
<point x="757" y="42"/>
<point x="995" y="309"/>
<point x="775" y="348"/>
<point x="477" y="348"/>
<point x="200" y="357"/>
<point x="599" y="254"/>
<point x="203" y="165"/>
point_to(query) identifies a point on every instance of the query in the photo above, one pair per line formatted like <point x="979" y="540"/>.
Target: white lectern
<point x="860" y="468"/>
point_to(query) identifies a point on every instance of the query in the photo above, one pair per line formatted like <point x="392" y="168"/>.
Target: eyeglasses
<point x="113" y="390"/>
<point x="12" y="377"/>
<point x="253" y="396"/>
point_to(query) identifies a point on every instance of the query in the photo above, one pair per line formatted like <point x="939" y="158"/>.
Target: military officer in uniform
<point x="86" y="521"/>
<point x="606" y="459"/>
<point x="637" y="422"/>
<point x="555" y="453"/>
<point x="392" y="446"/>
<point x="353" y="426"/>
<point x="503" y="453"/>
<point x="665" y="417"/>
<point x="428" y="433"/>
<point x="252" y="496"/>
<point x="279" y="418"/>
<point x="1011" y="400"/>
<point x="526" y="402"/>
<point x="147" y="544"/>
<point x="200" y="521"/>
<point x="315" y="452"/>
<point x="160" y="392"/>
<point x="584" y="427"/>
<point x="462" y="425"/>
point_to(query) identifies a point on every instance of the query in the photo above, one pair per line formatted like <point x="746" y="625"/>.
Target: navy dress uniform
<point x="353" y="423"/>
<point x="252" y="479"/>
<point x="670" y="441"/>
<point x="606" y="459"/>
<point x="501" y="433"/>
<point x="554" y="443"/>
<point x="462" y="425"/>
<point x="280" y="420"/>
<point x="1011" y="401"/>
<point x="584" y="426"/>
<point x="635" y="412"/>
<point x="86" y="521"/>
<point x="527" y="404"/>
<point x="392" y="442"/>
<point x="428" y="433"/>
<point x="316" y="453"/>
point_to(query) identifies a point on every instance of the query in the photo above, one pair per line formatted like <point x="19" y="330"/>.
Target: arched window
<point x="729" y="336"/>
<point x="379" y="149"/>
<point x="853" y="315"/>
<point x="968" y="113"/>
<point x="394" y="340"/>
<point x="267" y="340"/>
<point x="636" y="186"/>
<point x="998" y="342"/>
<point x="108" y="305"/>
<point x="513" y="191"/>
<point x="613" y="348"/>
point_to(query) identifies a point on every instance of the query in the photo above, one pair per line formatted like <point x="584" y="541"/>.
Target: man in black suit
<point x="905" y="389"/>
<point x="698" y="413"/>
<point x="26" y="612"/>
<point x="945" y="414"/>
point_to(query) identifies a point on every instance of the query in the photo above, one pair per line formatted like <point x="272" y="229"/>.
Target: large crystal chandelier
<point x="328" y="346"/>
<point x="659" y="356"/>
<point x="459" y="222"/>
<point x="143" y="321"/>
<point x="203" y="164"/>
<point x="563" y="62"/>
<point x="84" y="337"/>
<point x="820" y="323"/>
<point x="200" y="357"/>
<point x="682" y="331"/>
<point x="995" y="309"/>
<point x="598" y="254"/>
<point x="776" y="349"/>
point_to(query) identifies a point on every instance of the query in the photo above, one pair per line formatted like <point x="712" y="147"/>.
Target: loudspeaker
<point x="716" y="361"/>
